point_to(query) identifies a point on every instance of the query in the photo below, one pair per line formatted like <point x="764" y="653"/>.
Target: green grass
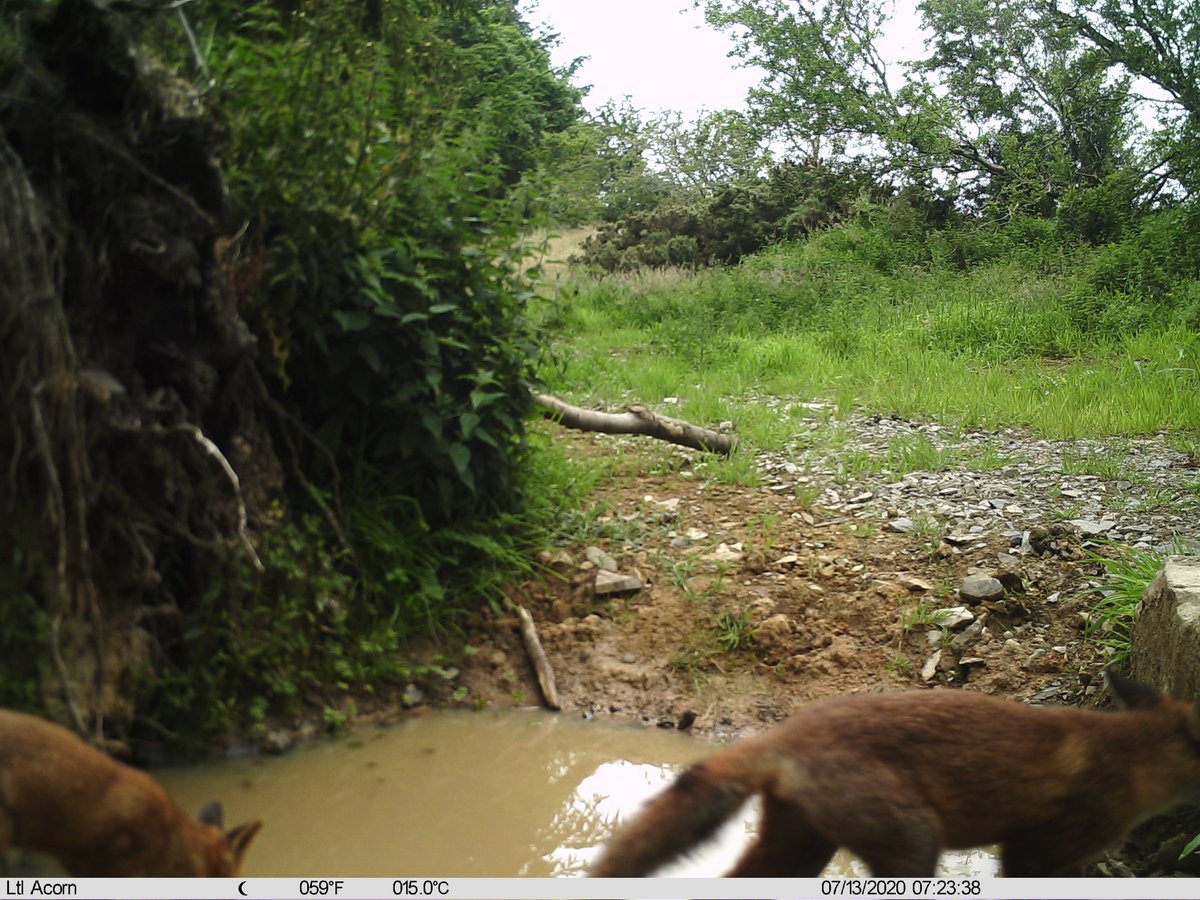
<point x="1127" y="574"/>
<point x="998" y="345"/>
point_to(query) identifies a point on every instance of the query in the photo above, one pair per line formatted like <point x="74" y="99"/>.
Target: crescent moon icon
<point x="242" y="888"/>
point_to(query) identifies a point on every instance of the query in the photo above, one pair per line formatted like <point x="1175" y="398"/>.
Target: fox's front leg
<point x="1054" y="851"/>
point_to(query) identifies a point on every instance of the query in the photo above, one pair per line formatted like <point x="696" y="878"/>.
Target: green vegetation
<point x="988" y="236"/>
<point x="1127" y="574"/>
<point x="1029" y="334"/>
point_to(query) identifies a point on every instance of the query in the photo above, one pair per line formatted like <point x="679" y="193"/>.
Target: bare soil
<point x="826" y="605"/>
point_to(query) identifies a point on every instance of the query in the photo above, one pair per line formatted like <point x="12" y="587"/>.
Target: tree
<point x="1035" y="107"/>
<point x="826" y="85"/>
<point x="704" y="156"/>
<point x="1158" y="40"/>
<point x="1014" y="110"/>
<point x="508" y="87"/>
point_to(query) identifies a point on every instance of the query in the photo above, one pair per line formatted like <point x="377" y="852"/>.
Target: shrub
<point x="792" y="201"/>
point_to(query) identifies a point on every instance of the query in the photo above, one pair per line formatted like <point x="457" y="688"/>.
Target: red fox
<point x="896" y="778"/>
<point x="98" y="817"/>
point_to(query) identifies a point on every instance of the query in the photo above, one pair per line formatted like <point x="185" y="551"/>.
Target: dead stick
<point x="638" y="420"/>
<point x="537" y="656"/>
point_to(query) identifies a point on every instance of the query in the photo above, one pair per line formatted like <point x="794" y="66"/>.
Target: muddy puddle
<point x="463" y="794"/>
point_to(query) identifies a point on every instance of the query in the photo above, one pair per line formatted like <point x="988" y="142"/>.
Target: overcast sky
<point x="662" y="54"/>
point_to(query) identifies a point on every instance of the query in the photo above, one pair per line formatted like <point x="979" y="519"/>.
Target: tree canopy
<point x="1013" y="106"/>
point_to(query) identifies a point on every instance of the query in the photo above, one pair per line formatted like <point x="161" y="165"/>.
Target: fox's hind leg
<point x="787" y="846"/>
<point x="879" y="818"/>
<point x="909" y="849"/>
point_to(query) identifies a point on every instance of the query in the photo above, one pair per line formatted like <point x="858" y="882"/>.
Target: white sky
<point x="662" y="54"/>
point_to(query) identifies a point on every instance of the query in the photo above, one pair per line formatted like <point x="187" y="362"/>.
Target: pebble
<point x="973" y="502"/>
<point x="979" y="588"/>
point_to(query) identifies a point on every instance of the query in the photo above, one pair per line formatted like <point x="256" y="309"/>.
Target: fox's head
<point x="1176" y="760"/>
<point x="221" y="851"/>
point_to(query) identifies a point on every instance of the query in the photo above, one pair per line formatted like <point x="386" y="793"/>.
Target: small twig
<point x="194" y="45"/>
<point x="537" y="656"/>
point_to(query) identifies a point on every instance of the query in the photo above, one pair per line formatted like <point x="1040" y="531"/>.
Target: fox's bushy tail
<point x="688" y="813"/>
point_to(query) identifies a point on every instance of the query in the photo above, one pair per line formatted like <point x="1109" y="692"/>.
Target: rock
<point x="559" y="560"/>
<point x="953" y="617"/>
<point x="695" y="534"/>
<point x="412" y="696"/>
<point x="1048" y="694"/>
<point x="980" y="588"/>
<point x="628" y="658"/>
<point x="931" y="666"/>
<point x="1165" y="644"/>
<point x="724" y="553"/>
<point x="961" y="539"/>
<point x="968" y="634"/>
<point x="600" y="559"/>
<point x="1008" y="561"/>
<point x="786" y="561"/>
<point x="276" y="742"/>
<point x="1091" y="529"/>
<point x="913" y="583"/>
<point x="902" y="525"/>
<point x="616" y="583"/>
<point x="774" y="637"/>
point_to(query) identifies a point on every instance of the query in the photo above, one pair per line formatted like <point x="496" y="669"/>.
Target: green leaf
<point x="468" y="422"/>
<point x="352" y="320"/>
<point x="460" y="455"/>
<point x="1190" y="847"/>
<point x="371" y="356"/>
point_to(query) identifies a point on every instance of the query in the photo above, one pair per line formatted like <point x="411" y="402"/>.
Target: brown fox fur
<point x="896" y="778"/>
<point x="98" y="817"/>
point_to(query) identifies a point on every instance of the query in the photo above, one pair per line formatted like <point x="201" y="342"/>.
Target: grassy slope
<point x="1022" y="340"/>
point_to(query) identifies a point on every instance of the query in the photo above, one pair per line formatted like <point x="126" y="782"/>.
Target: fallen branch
<point x="638" y="420"/>
<point x="537" y="656"/>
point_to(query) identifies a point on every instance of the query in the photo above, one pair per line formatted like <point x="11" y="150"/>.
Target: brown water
<point x="464" y="795"/>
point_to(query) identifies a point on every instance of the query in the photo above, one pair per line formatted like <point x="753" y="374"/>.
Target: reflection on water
<point x="463" y="795"/>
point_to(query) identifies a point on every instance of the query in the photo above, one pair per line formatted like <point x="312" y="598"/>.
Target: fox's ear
<point x="1132" y="694"/>
<point x="212" y="814"/>
<point x="239" y="839"/>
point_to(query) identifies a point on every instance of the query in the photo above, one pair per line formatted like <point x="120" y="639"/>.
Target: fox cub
<point x="98" y="817"/>
<point x="896" y="778"/>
